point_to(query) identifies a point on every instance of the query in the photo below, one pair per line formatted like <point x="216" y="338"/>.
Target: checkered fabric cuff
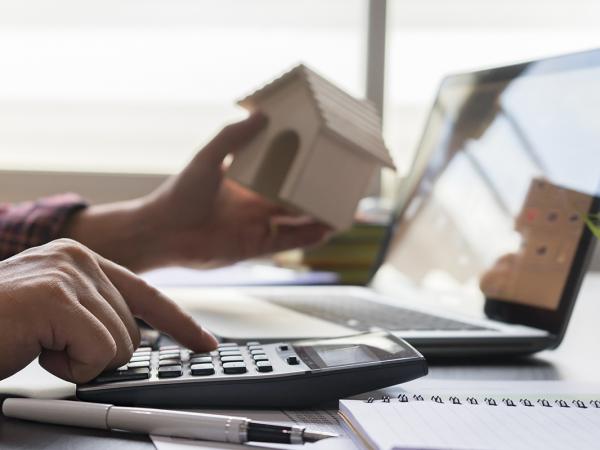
<point x="29" y="224"/>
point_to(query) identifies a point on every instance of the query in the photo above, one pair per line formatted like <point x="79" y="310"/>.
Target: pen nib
<point x="314" y="436"/>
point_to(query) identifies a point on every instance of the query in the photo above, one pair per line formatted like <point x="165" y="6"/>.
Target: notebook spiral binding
<point x="490" y="401"/>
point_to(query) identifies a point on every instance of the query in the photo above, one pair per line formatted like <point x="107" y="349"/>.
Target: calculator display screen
<point x="338" y="356"/>
<point x="352" y="350"/>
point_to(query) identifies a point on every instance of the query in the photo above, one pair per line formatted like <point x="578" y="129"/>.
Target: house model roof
<point x="354" y="121"/>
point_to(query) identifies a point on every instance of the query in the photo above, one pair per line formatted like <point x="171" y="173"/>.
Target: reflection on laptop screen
<point x="513" y="167"/>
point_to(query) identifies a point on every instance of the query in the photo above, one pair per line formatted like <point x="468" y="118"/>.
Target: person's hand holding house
<point x="196" y="218"/>
<point x="317" y="155"/>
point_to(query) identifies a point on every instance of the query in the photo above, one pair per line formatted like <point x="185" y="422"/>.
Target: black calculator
<point x="298" y="374"/>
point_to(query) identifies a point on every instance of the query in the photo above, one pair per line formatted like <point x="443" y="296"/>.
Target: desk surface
<point x="575" y="360"/>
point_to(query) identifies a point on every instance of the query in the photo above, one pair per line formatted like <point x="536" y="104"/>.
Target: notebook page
<point x="429" y="425"/>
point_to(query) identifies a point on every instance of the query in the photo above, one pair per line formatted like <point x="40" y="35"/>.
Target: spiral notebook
<point x="415" y="421"/>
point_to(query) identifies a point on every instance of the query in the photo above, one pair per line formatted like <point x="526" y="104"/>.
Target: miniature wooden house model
<point x="319" y="150"/>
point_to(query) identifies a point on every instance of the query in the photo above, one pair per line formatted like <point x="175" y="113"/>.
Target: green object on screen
<point x="593" y="223"/>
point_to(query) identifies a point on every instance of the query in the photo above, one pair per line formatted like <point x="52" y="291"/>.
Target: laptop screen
<point x="503" y="193"/>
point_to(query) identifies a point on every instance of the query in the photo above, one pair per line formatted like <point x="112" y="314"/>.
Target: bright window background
<point x="430" y="38"/>
<point x="138" y="85"/>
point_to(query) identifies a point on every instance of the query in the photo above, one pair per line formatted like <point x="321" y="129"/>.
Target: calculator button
<point x="200" y="359"/>
<point x="252" y="343"/>
<point x="198" y="355"/>
<point x="169" y="356"/>
<point x="166" y="352"/>
<point x="202" y="369"/>
<point x="231" y="353"/>
<point x="228" y="349"/>
<point x="227" y="344"/>
<point x="143" y="349"/>
<point x="140" y="358"/>
<point x="165" y="348"/>
<point x="257" y="351"/>
<point x="292" y="360"/>
<point x="260" y="357"/>
<point x="284" y="348"/>
<point x="169" y="362"/>
<point x="123" y="375"/>
<point x="264" y="366"/>
<point x="169" y="372"/>
<point x="234" y="367"/>
<point x="138" y="364"/>
<point x="231" y="359"/>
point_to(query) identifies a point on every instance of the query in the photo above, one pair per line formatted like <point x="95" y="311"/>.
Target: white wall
<point x="96" y="187"/>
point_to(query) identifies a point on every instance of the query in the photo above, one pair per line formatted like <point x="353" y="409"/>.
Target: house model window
<point x="319" y="150"/>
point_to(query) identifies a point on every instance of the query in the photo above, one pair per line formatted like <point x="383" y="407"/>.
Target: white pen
<point x="209" y="427"/>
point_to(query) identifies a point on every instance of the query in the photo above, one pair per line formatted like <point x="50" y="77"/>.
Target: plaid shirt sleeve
<point x="34" y="223"/>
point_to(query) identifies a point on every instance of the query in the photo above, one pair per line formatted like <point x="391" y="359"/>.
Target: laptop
<point x="492" y="231"/>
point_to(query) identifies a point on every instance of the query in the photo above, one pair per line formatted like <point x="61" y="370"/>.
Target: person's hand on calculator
<point x="76" y="309"/>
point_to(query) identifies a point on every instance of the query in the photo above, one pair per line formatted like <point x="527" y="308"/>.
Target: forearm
<point x="119" y="231"/>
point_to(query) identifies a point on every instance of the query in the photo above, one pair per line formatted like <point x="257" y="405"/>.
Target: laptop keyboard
<point x="362" y="315"/>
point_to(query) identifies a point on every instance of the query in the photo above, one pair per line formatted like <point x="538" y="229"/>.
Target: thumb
<point x="233" y="137"/>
